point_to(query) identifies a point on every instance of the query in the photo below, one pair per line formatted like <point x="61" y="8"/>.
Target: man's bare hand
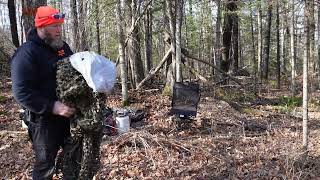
<point x="63" y="110"/>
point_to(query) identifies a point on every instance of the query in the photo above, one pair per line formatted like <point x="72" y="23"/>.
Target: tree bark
<point x="267" y="43"/>
<point x="74" y="22"/>
<point x="254" y="60"/>
<point x="13" y="22"/>
<point x="312" y="59"/>
<point x="123" y="63"/>
<point x="283" y="45"/>
<point x="235" y="41"/>
<point x="259" y="41"/>
<point x="226" y="37"/>
<point x="29" y="9"/>
<point x="217" y="48"/>
<point x="307" y="18"/>
<point x="230" y="7"/>
<point x="134" y="47"/>
<point x="292" y="42"/>
<point x="7" y="49"/>
<point x="148" y="39"/>
<point x="82" y="29"/>
<point x="278" y="47"/>
<point x="318" y="25"/>
<point x="171" y="72"/>
<point x="178" y="9"/>
<point x="97" y="26"/>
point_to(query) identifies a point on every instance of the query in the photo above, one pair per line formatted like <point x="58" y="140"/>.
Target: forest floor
<point x="235" y="135"/>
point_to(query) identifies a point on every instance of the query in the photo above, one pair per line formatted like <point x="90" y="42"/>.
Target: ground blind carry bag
<point x="98" y="71"/>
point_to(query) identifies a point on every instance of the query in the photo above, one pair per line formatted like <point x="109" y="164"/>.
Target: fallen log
<point x="186" y="53"/>
<point x="152" y="73"/>
<point x="196" y="73"/>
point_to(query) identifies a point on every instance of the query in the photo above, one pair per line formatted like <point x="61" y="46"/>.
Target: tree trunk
<point x="318" y="44"/>
<point x="97" y="26"/>
<point x="82" y="29"/>
<point x="267" y="43"/>
<point x="230" y="6"/>
<point x="178" y="9"/>
<point x="134" y="47"/>
<point x="13" y="22"/>
<point x="312" y="59"/>
<point x="123" y="63"/>
<point x="278" y="46"/>
<point x="292" y="42"/>
<point x="166" y="35"/>
<point x="7" y="49"/>
<point x="29" y="9"/>
<point x="74" y="22"/>
<point x="235" y="41"/>
<point x="259" y="41"/>
<point x="307" y="18"/>
<point x="254" y="60"/>
<point x="283" y="44"/>
<point x="172" y="29"/>
<point x="217" y="48"/>
<point x="191" y="38"/>
<point x="148" y="39"/>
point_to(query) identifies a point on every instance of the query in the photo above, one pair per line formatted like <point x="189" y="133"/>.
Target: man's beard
<point x="55" y="43"/>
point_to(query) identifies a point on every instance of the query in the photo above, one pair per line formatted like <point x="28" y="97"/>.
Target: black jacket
<point x="33" y="74"/>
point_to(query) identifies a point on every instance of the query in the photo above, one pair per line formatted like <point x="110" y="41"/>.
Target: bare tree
<point x="278" y="45"/>
<point x="148" y="39"/>
<point x="267" y="43"/>
<point x="13" y="22"/>
<point x="292" y="42"/>
<point x="178" y="9"/>
<point x="29" y="8"/>
<point x="306" y="57"/>
<point x="283" y="39"/>
<point x="217" y="48"/>
<point x="230" y="8"/>
<point x="123" y="63"/>
<point x="97" y="19"/>
<point x="171" y="40"/>
<point x="134" y="45"/>
<point x="7" y="49"/>
<point x="74" y="22"/>
<point x="318" y="25"/>
<point x="312" y="59"/>
<point x="235" y="41"/>
<point x="259" y="40"/>
<point x="82" y="30"/>
<point x="254" y="58"/>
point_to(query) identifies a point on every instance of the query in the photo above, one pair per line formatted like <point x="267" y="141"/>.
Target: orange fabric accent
<point x="44" y="16"/>
<point x="61" y="52"/>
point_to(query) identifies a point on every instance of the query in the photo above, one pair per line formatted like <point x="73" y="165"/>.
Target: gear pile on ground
<point x="86" y="126"/>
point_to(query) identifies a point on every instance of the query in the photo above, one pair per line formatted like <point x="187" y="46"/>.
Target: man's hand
<point x="63" y="110"/>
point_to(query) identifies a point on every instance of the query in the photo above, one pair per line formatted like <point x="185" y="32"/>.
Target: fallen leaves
<point x="220" y="143"/>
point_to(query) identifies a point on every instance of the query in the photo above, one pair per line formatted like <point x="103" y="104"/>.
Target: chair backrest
<point x="185" y="99"/>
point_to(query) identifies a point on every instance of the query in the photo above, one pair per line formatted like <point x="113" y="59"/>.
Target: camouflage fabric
<point x="82" y="150"/>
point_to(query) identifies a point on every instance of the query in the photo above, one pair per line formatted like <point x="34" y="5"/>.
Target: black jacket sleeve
<point x="24" y="79"/>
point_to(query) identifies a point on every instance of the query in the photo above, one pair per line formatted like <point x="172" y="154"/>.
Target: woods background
<point x="264" y="38"/>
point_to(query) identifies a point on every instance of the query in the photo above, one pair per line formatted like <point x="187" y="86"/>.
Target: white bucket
<point x="123" y="124"/>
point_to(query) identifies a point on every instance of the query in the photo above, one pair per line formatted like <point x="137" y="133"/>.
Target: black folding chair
<point x="185" y="99"/>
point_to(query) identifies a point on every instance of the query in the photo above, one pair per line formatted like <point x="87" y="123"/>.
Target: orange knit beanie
<point x="47" y="15"/>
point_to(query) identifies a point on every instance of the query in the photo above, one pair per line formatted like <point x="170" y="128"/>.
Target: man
<point x="33" y="74"/>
